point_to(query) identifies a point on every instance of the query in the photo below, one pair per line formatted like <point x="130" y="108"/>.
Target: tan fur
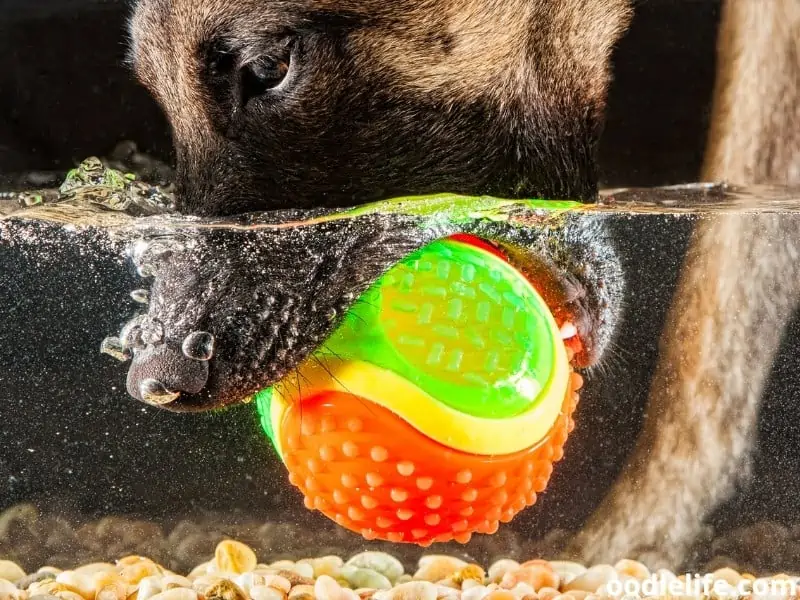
<point x="489" y="41"/>
<point x="739" y="287"/>
<point x="486" y="53"/>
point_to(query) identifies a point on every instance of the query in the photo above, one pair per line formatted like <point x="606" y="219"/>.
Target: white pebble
<point x="149" y="587"/>
<point x="727" y="574"/>
<point x="84" y="584"/>
<point x="9" y="590"/>
<point x="176" y="594"/>
<point x="476" y="592"/>
<point x="327" y="588"/>
<point x="501" y="567"/>
<point x="522" y="589"/>
<point x="199" y="570"/>
<point x="413" y="590"/>
<point x="567" y="570"/>
<point x="325" y="565"/>
<point x="303" y="568"/>
<point x="92" y="568"/>
<point x="444" y="592"/>
<point x="633" y="568"/>
<point x="265" y="592"/>
<point x="173" y="580"/>
<point x="302" y="591"/>
<point x="278" y="582"/>
<point x="593" y="579"/>
<point x="11" y="571"/>
<point x="249" y="579"/>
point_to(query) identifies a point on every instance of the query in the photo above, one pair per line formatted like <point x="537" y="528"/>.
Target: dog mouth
<point x="241" y="314"/>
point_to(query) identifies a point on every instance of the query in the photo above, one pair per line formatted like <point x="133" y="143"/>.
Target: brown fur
<point x="739" y="288"/>
<point x="501" y="97"/>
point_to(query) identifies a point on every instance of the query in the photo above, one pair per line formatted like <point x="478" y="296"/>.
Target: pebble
<point x="364" y="578"/>
<point x="535" y="575"/>
<point x="11" y="571"/>
<point x="301" y="568"/>
<point x="501" y="567"/>
<point x="8" y="590"/>
<point x="327" y="588"/>
<point x="547" y="593"/>
<point x="470" y="572"/>
<point x="593" y="579"/>
<point x="633" y="568"/>
<point x="224" y="589"/>
<point x="278" y="582"/>
<point x="294" y="578"/>
<point x="172" y="581"/>
<point x="727" y="574"/>
<point x="326" y="565"/>
<point x="40" y="575"/>
<point x="477" y="592"/>
<point x="81" y="583"/>
<point x="567" y="570"/>
<point x="234" y="557"/>
<point x="134" y="573"/>
<point x="97" y="567"/>
<point x="111" y="592"/>
<point x="413" y="590"/>
<point x="302" y="592"/>
<point x="149" y="587"/>
<point x="436" y="567"/>
<point x="232" y="572"/>
<point x="176" y="594"/>
<point x="265" y="592"/>
<point x="385" y="564"/>
<point x="500" y="595"/>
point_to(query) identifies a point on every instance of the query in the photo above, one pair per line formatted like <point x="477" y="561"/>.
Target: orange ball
<point x="373" y="473"/>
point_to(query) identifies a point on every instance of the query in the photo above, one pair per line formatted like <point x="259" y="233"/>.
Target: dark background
<point x="69" y="443"/>
<point x="64" y="93"/>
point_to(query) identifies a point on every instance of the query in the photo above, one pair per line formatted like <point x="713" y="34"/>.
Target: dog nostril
<point x="158" y="375"/>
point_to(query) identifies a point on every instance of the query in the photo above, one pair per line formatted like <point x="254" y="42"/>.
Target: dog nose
<point x="158" y="375"/>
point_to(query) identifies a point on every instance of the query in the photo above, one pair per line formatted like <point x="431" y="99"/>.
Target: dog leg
<point x="738" y="290"/>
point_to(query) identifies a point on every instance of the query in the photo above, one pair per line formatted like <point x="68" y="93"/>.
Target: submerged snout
<point x="160" y="375"/>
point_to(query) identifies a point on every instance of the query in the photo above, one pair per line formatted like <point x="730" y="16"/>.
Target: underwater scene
<point x="443" y="396"/>
<point x="448" y="409"/>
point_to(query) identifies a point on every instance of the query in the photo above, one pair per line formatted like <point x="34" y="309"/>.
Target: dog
<point x="306" y="103"/>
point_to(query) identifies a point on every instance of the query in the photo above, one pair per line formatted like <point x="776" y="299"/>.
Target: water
<point x="89" y="473"/>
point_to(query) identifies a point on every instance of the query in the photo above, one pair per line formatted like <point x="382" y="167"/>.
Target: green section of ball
<point x="461" y="324"/>
<point x="263" y="402"/>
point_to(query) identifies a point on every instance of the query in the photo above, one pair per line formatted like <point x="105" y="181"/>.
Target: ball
<point x="438" y="406"/>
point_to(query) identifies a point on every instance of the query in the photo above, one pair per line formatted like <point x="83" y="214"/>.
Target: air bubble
<point x="198" y="345"/>
<point x="131" y="335"/>
<point x="155" y="392"/>
<point x="141" y="296"/>
<point x="113" y="347"/>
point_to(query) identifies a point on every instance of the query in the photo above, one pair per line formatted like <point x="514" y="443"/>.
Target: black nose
<point x="158" y="375"/>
